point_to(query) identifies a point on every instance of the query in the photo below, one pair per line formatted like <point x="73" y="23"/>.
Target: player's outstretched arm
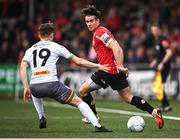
<point x="85" y="63"/>
<point x="23" y="74"/>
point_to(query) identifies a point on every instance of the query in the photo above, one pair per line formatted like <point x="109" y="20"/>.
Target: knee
<point x="75" y="101"/>
<point x="127" y="99"/>
<point x="82" y="91"/>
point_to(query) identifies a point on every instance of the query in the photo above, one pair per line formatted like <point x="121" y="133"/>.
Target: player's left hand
<point x="124" y="70"/>
<point x="104" y="68"/>
<point x="160" y="67"/>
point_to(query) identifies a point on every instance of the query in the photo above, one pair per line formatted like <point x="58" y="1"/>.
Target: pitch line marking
<point x="124" y="112"/>
<point x="134" y="113"/>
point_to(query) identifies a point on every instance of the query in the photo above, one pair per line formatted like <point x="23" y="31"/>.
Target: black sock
<point x="90" y="101"/>
<point x="165" y="101"/>
<point x="141" y="104"/>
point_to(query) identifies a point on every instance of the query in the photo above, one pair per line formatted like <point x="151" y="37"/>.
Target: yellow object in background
<point x="157" y="86"/>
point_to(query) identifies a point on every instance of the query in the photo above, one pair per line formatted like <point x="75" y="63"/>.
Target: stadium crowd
<point x="129" y="21"/>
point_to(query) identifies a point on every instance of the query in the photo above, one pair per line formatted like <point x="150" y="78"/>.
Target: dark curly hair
<point x="91" y="10"/>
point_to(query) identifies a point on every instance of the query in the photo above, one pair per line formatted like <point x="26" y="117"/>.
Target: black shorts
<point x="115" y="81"/>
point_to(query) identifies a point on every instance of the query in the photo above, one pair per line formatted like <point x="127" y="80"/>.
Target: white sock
<point x="38" y="103"/>
<point x="154" y="112"/>
<point x="87" y="112"/>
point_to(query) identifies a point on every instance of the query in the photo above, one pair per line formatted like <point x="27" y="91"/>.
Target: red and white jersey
<point x="101" y="38"/>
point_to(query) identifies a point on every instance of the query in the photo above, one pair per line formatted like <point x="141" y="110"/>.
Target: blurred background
<point x="128" y="20"/>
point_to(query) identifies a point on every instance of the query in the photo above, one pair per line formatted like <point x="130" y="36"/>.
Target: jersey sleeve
<point x="26" y="57"/>
<point x="104" y="37"/>
<point x="62" y="51"/>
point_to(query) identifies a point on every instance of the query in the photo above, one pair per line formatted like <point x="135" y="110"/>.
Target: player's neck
<point x="96" y="28"/>
<point x="156" y="37"/>
<point x="45" y="39"/>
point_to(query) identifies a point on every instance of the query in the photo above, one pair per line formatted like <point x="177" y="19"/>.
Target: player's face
<point x="92" y="22"/>
<point x="155" y="31"/>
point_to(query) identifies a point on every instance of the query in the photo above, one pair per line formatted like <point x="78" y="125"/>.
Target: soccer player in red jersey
<point x="110" y="52"/>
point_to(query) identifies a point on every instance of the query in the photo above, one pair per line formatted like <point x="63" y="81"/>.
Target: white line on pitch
<point x="111" y="111"/>
<point x="134" y="113"/>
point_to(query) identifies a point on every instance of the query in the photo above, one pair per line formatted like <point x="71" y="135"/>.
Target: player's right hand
<point x="153" y="64"/>
<point x="104" y="68"/>
<point x="27" y="95"/>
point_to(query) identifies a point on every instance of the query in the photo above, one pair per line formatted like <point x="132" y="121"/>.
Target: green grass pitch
<point x="19" y="120"/>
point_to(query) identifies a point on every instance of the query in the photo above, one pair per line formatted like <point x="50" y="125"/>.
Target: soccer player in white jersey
<point x="42" y="58"/>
